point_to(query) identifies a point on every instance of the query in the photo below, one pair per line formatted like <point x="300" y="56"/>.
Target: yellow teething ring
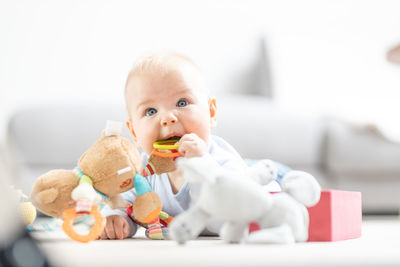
<point x="95" y="230"/>
<point x="161" y="144"/>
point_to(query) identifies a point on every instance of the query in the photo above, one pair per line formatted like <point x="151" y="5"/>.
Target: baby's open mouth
<point x="173" y="138"/>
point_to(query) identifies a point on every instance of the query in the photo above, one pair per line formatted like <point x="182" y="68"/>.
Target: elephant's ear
<point x="47" y="196"/>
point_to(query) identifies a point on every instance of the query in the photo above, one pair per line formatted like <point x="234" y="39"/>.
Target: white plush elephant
<point x="239" y="199"/>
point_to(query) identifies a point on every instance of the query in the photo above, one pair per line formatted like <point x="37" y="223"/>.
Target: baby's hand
<point x="190" y="145"/>
<point x="116" y="228"/>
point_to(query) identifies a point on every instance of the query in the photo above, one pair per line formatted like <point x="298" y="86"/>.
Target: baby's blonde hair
<point x="161" y="62"/>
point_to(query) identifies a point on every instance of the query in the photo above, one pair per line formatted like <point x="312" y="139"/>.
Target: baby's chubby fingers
<point x="188" y="137"/>
<point x="190" y="145"/>
<point x="121" y="227"/>
<point x="109" y="229"/>
<point x="116" y="228"/>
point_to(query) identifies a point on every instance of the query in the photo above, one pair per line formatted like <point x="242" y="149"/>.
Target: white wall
<point x="328" y="56"/>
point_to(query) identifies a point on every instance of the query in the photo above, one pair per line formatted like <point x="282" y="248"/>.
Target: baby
<point x="167" y="97"/>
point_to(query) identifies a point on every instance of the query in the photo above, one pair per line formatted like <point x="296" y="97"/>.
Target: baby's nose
<point x="168" y="120"/>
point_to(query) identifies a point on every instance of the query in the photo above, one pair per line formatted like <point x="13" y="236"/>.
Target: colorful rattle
<point x="166" y="149"/>
<point x="85" y="196"/>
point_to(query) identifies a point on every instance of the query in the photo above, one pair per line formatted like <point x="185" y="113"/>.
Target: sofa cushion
<point x="258" y="128"/>
<point x="58" y="134"/>
<point x="358" y="152"/>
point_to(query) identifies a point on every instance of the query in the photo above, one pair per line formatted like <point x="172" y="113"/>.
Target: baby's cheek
<point x="144" y="145"/>
<point x="148" y="149"/>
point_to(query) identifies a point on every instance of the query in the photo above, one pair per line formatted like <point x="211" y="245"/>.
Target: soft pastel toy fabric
<point x="239" y="199"/>
<point x="105" y="170"/>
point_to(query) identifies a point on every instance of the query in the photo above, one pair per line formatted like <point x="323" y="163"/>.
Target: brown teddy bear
<point x="105" y="170"/>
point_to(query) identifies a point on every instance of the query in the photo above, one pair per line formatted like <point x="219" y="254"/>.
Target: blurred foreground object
<point x="393" y="55"/>
<point x="17" y="248"/>
<point x="27" y="212"/>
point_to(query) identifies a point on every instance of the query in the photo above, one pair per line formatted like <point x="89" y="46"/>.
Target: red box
<point x="337" y="216"/>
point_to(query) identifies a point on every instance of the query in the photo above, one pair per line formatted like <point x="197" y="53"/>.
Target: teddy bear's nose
<point x="125" y="183"/>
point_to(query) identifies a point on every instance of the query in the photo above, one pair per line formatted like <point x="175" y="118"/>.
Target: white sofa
<point x="48" y="136"/>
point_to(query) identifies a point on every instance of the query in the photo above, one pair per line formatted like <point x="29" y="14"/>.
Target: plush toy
<point x="105" y="170"/>
<point x="238" y="199"/>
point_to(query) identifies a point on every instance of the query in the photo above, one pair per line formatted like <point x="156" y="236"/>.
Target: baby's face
<point x="171" y="105"/>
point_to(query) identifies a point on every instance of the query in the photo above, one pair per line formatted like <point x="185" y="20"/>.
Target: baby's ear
<point x="129" y="124"/>
<point x="47" y="196"/>
<point x="212" y="105"/>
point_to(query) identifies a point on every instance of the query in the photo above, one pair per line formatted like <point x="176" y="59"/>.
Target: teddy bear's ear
<point x="47" y="196"/>
<point x="82" y="157"/>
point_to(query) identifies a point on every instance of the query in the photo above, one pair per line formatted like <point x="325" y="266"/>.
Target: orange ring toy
<point x="95" y="230"/>
<point x="166" y="154"/>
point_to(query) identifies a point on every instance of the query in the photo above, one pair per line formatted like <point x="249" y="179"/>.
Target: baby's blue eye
<point x="151" y="111"/>
<point x="182" y="103"/>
